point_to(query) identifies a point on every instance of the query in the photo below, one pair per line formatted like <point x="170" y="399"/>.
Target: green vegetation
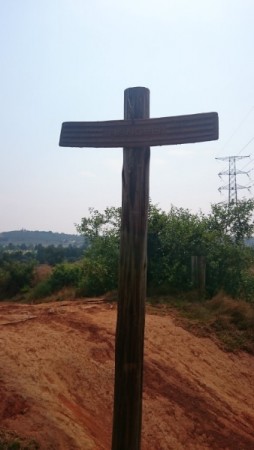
<point x="100" y="263"/>
<point x="53" y="255"/>
<point x="22" y="251"/>
<point x="43" y="255"/>
<point x="10" y="441"/>
<point x="15" y="278"/>
<point x="63" y="275"/>
<point x="173" y="238"/>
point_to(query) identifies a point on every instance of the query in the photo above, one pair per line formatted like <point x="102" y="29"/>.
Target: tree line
<point x="173" y="238"/>
<point x="18" y="263"/>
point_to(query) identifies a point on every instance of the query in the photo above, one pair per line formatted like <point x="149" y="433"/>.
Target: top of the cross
<point x="141" y="132"/>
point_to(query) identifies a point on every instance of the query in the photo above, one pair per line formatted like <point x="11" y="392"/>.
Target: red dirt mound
<point x="56" y="381"/>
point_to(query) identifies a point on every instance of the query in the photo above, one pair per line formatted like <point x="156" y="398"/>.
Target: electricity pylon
<point x="232" y="186"/>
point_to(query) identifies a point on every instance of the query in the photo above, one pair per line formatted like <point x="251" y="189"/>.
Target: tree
<point x="173" y="238"/>
<point x="100" y="263"/>
<point x="234" y="220"/>
<point x="15" y="277"/>
<point x="100" y="224"/>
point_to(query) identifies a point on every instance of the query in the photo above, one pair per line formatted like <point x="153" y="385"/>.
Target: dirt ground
<point x="56" y="381"/>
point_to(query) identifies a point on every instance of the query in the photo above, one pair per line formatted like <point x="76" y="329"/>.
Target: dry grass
<point x="230" y="322"/>
<point x="11" y="441"/>
<point x="42" y="272"/>
<point x="233" y="322"/>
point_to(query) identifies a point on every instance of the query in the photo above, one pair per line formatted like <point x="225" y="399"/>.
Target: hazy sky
<point x="64" y="60"/>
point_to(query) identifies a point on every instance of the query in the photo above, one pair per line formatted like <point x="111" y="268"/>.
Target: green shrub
<point x="15" y="277"/>
<point x="96" y="279"/>
<point x="42" y="289"/>
<point x="14" y="446"/>
<point x="247" y="286"/>
<point x="65" y="275"/>
<point x="173" y="238"/>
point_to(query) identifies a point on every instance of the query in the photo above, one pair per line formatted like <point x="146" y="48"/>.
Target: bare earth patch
<point x="57" y="371"/>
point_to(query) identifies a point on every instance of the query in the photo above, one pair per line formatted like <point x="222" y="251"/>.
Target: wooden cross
<point x="136" y="133"/>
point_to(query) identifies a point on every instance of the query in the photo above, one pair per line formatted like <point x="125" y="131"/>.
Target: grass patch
<point x="230" y="322"/>
<point x="10" y="441"/>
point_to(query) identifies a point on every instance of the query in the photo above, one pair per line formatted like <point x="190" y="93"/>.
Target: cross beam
<point x="141" y="133"/>
<point x="136" y="133"/>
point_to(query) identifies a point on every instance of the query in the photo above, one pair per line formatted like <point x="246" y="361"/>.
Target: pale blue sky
<point x="64" y="60"/>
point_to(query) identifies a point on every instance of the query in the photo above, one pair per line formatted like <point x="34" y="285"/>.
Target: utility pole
<point x="232" y="186"/>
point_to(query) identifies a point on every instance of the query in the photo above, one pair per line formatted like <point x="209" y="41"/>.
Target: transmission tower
<point x="232" y="186"/>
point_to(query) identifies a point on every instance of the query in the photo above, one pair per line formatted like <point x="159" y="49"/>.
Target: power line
<point x="250" y="161"/>
<point x="237" y="128"/>
<point x="252" y="139"/>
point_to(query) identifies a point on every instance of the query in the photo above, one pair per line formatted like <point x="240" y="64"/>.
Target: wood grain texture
<point x="132" y="285"/>
<point x="135" y="132"/>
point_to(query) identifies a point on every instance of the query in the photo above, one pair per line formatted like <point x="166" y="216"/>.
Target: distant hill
<point x="45" y="238"/>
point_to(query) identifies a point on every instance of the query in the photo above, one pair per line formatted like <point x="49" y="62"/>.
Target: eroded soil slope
<point x="56" y="381"/>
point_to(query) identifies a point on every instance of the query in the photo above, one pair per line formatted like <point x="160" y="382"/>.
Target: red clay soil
<point x="56" y="381"/>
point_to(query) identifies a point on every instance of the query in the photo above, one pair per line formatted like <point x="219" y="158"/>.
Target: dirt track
<point x="56" y="381"/>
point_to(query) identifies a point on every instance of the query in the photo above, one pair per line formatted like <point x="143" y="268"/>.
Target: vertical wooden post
<point x="132" y="284"/>
<point x="198" y="272"/>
